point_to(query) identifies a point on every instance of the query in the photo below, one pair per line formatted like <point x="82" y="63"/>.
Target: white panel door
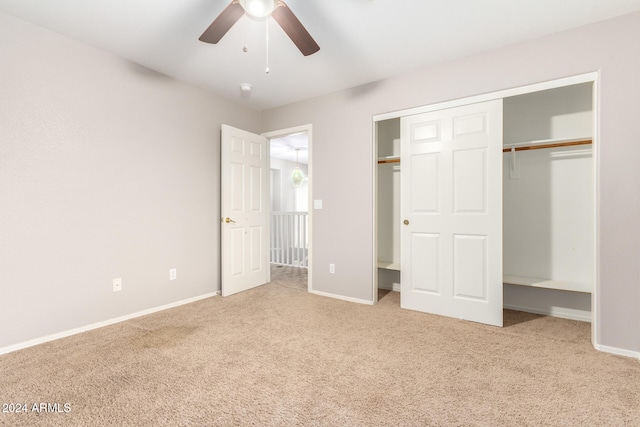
<point x="245" y="211"/>
<point x="451" y="207"/>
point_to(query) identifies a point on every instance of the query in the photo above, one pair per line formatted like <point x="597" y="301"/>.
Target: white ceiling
<point x="287" y="147"/>
<point x="360" y="40"/>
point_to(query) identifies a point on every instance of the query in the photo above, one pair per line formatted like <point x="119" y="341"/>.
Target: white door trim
<point x="288" y="131"/>
<point x="505" y="93"/>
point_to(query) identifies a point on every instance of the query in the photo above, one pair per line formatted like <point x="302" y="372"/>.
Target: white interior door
<point x="245" y="211"/>
<point x="451" y="207"/>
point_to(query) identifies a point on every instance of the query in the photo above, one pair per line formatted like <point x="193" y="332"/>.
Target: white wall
<point x="561" y="113"/>
<point x="106" y="170"/>
<point x="548" y="215"/>
<point x="342" y="123"/>
<point x="548" y="230"/>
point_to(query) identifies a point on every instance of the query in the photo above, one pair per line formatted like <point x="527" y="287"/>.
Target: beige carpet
<point x="279" y="356"/>
<point x="290" y="277"/>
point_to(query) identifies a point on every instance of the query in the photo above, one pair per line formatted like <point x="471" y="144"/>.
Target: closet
<point x="548" y="201"/>
<point x="388" y="203"/>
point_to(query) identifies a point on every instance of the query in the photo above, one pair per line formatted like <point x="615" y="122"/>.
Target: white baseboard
<point x="53" y="337"/>
<point x="395" y="287"/>
<point x="340" y="297"/>
<point x="563" y="314"/>
<point x="618" y="351"/>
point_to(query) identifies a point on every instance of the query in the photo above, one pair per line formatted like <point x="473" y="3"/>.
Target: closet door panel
<point x="464" y="125"/>
<point x="470" y="267"/>
<point x="451" y="207"/>
<point x="469" y="181"/>
<point x="426" y="132"/>
<point x="425" y="197"/>
<point x="425" y="248"/>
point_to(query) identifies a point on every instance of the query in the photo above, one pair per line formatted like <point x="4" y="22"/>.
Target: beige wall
<point x="343" y="156"/>
<point x="109" y="170"/>
<point x="106" y="170"/>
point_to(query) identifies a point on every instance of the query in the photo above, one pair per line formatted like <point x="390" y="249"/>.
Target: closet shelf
<point x="546" y="283"/>
<point x="389" y="265"/>
<point x="547" y="143"/>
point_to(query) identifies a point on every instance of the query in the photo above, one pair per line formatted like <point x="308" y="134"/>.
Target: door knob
<point x="405" y="222"/>
<point x="228" y="220"/>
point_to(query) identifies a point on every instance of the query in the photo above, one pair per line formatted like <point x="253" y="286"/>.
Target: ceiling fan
<point x="278" y="9"/>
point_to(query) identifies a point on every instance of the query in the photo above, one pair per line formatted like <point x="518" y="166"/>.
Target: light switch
<point x="317" y="204"/>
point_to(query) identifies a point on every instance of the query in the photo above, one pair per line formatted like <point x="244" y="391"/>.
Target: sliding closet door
<point x="451" y="207"/>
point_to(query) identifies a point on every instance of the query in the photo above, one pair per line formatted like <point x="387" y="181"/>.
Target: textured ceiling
<point x="361" y="40"/>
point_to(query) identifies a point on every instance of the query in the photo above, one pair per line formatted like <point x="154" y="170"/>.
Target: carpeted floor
<point x="290" y="277"/>
<point x="279" y="356"/>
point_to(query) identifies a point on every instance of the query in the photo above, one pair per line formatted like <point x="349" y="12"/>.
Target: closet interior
<point x="388" y="203"/>
<point x="548" y="202"/>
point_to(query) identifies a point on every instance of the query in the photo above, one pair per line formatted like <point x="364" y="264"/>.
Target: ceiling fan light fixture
<point x="297" y="177"/>
<point x="258" y="8"/>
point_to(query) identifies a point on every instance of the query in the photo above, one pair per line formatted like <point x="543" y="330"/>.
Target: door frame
<point x="592" y="77"/>
<point x="279" y="134"/>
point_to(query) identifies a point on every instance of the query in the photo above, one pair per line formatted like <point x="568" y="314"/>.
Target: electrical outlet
<point x="173" y="274"/>
<point x="332" y="268"/>
<point x="117" y="284"/>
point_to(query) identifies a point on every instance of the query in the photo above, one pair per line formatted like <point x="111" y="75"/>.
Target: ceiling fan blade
<point x="222" y="23"/>
<point x="294" y="29"/>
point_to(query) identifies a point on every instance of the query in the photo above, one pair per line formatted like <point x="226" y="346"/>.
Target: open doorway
<point x="290" y="220"/>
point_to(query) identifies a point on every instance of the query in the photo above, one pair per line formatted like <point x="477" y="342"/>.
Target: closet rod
<point x="381" y="161"/>
<point x="523" y="148"/>
<point x="551" y="145"/>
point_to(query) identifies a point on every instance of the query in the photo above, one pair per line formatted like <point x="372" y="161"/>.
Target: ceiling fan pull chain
<point x="267" y="26"/>
<point x="244" y="30"/>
